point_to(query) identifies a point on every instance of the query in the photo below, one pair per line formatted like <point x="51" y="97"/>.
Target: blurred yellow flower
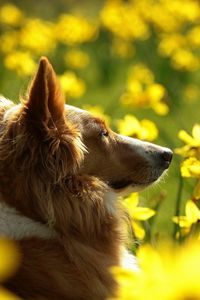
<point x="10" y="14"/>
<point x="131" y="126"/>
<point x="77" y="59"/>
<point x="21" y="62"/>
<point x="140" y="73"/>
<point x="192" y="147"/>
<point x="169" y="43"/>
<point x="75" y="30"/>
<point x="9" y="262"/>
<point x="183" y="59"/>
<point x="116" y="15"/>
<point x="98" y="112"/>
<point x="155" y="93"/>
<point x="37" y="36"/>
<point x="6" y="295"/>
<point x="9" y="258"/>
<point x="187" y="10"/>
<point x="142" y="91"/>
<point x="9" y="41"/>
<point x="72" y="86"/>
<point x="171" y="272"/>
<point x="193" y="37"/>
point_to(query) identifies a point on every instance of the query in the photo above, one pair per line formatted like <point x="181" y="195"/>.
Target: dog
<point x="61" y="169"/>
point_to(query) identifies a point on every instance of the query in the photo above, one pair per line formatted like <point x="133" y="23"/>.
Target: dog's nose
<point x="166" y="157"/>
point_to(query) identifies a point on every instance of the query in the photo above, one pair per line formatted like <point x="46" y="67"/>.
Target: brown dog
<point x="58" y="166"/>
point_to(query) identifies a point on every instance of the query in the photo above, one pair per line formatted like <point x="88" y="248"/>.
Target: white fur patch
<point x="10" y="111"/>
<point x="5" y="102"/>
<point x="110" y="199"/>
<point x="15" y="226"/>
<point x="129" y="261"/>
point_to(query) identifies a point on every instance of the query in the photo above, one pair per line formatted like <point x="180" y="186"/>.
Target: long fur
<point x="50" y="183"/>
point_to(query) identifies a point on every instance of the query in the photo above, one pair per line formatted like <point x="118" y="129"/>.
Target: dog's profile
<point x="60" y="168"/>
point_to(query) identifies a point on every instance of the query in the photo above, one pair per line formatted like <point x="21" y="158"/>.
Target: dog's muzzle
<point x="164" y="158"/>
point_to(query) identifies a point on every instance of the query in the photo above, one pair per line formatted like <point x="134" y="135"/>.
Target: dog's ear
<point x="45" y="97"/>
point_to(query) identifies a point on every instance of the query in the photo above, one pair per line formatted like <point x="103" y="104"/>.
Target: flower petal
<point x="196" y="132"/>
<point x="185" y="137"/>
<point x="143" y="213"/>
<point x="192" y="211"/>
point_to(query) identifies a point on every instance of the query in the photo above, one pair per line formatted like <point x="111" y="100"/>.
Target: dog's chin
<point x="124" y="188"/>
<point x="132" y="188"/>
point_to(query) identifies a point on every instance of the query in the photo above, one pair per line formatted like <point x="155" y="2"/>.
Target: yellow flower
<point x="155" y="93"/>
<point x="137" y="214"/>
<point x="188" y="10"/>
<point x="77" y="59"/>
<point x="9" y="258"/>
<point x="9" y="41"/>
<point x="9" y="262"/>
<point x="192" y="216"/>
<point x="169" y="272"/>
<point x="190" y="167"/>
<point x="10" y="14"/>
<point x="6" y="295"/>
<point x="183" y="59"/>
<point x="75" y="30"/>
<point x="116" y="15"/>
<point x="193" y="37"/>
<point x="162" y="18"/>
<point x="140" y="73"/>
<point x="144" y="129"/>
<point x="38" y="36"/>
<point x="192" y="147"/>
<point x="72" y="86"/>
<point x="138" y="230"/>
<point x="21" y="62"/>
<point x="142" y="91"/>
<point x="169" y="43"/>
<point x="98" y="112"/>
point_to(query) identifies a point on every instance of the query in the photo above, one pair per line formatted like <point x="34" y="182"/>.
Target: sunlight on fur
<point x="61" y="171"/>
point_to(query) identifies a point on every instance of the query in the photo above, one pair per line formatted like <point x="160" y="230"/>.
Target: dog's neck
<point x="15" y="226"/>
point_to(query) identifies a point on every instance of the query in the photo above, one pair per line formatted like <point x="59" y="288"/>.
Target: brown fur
<point x="56" y="166"/>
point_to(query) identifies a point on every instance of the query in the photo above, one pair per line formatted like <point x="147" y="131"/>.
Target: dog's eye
<point x="104" y="133"/>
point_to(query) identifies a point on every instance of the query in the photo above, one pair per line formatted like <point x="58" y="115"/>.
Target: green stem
<point x="178" y="204"/>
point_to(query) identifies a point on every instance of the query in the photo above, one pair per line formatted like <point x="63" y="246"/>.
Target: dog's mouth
<point x="124" y="184"/>
<point x="121" y="184"/>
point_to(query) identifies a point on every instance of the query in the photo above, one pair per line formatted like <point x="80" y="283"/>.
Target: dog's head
<point x="122" y="162"/>
<point x="44" y="143"/>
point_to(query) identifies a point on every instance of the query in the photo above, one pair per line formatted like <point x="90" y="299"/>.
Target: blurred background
<point x="136" y="62"/>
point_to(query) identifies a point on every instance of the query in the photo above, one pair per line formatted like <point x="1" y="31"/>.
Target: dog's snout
<point x="166" y="157"/>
